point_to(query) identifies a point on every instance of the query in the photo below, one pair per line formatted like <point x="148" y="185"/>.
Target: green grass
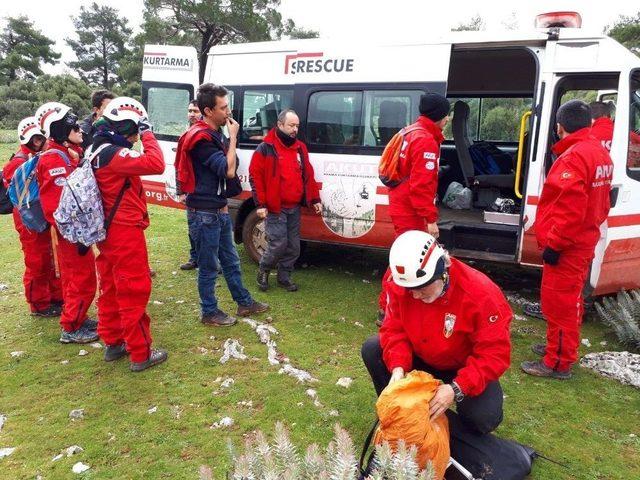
<point x="587" y="422"/>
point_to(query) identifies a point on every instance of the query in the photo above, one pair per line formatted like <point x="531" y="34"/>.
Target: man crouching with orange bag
<point x="447" y="319"/>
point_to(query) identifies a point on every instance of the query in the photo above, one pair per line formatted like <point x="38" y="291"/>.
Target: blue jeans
<point x="212" y="235"/>
<point x="192" y="246"/>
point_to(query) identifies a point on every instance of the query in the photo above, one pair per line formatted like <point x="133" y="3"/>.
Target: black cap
<point x="574" y="115"/>
<point x="434" y="106"/>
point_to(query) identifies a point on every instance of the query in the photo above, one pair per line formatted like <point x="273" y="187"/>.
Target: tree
<point x="626" y="30"/>
<point x="101" y="45"/>
<point x="476" y="23"/>
<point x="207" y="23"/>
<point x="22" y="49"/>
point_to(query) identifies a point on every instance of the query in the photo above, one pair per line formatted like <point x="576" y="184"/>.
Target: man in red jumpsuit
<point x="41" y="286"/>
<point x="77" y="271"/>
<point x="449" y="320"/>
<point x="125" y="282"/>
<point x="573" y="205"/>
<point x="412" y="204"/>
<point x="602" y="123"/>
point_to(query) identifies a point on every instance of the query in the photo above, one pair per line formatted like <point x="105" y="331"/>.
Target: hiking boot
<point x="539" y="349"/>
<point x="190" y="265"/>
<point x="380" y="318"/>
<point x="90" y="324"/>
<point x="81" y="335"/>
<point x="288" y="285"/>
<point x="52" y="310"/>
<point x="255" y="307"/>
<point x="157" y="356"/>
<point x="114" y="352"/>
<point x="263" y="280"/>
<point x="219" y="319"/>
<point x="539" y="369"/>
<point x="533" y="310"/>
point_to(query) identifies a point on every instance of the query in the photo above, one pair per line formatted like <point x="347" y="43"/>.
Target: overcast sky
<point x="382" y="20"/>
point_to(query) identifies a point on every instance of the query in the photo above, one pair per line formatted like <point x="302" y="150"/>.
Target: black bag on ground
<point x="6" y="207"/>
<point x="486" y="456"/>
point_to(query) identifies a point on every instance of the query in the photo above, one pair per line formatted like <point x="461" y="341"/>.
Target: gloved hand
<point x="550" y="256"/>
<point x="144" y="125"/>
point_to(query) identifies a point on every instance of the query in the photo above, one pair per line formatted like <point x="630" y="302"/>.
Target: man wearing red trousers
<point x="412" y="204"/>
<point x="573" y="205"/>
<point x="41" y="286"/>
<point x="77" y="269"/>
<point x="123" y="265"/>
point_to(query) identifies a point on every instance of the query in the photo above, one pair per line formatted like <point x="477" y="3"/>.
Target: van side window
<point x="386" y="112"/>
<point x="167" y="109"/>
<point x="633" y="155"/>
<point x="260" y="109"/>
<point x="333" y="118"/>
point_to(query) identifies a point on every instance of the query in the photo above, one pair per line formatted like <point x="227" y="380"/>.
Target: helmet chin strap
<point x="445" y="287"/>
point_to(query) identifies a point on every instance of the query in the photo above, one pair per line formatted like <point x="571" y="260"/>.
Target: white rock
<point x="203" y="350"/>
<point x="300" y="375"/>
<point x="334" y="413"/>
<point x="364" y="280"/>
<point x="76" y="414"/>
<point x="82" y="353"/>
<point x="80" y="468"/>
<point x="358" y="324"/>
<point x="3" y="287"/>
<point x="73" y="449"/>
<point x="344" y="382"/>
<point x="158" y="302"/>
<point x="603" y="343"/>
<point x="64" y="362"/>
<point x="232" y="349"/>
<point x="311" y="392"/>
<point x="57" y="457"/>
<point x="153" y="409"/>
<point x="96" y="345"/>
<point x="174" y="272"/>
<point x="17" y="354"/>
<point x="227" y="383"/>
<point x="586" y="342"/>
<point x="5" y="452"/>
<point x="621" y="366"/>
<point x="520" y="318"/>
<point x="3" y="418"/>
<point x="212" y="337"/>
<point x="179" y="302"/>
<point x="245" y="403"/>
<point x="224" y="422"/>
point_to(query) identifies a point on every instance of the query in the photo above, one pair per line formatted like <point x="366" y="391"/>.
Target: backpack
<point x="6" y="207"/>
<point x="80" y="214"/>
<point x="24" y="193"/>
<point x="389" y="166"/>
<point x="489" y="159"/>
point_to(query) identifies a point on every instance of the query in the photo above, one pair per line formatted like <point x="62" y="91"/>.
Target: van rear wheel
<point x="254" y="236"/>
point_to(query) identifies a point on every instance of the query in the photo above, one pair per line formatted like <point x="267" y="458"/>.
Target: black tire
<point x="254" y="236"/>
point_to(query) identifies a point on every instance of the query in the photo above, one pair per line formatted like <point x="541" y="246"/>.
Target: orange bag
<point x="389" y="166"/>
<point x="403" y="411"/>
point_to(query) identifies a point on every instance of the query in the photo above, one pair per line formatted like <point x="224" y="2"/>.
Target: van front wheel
<point x="254" y="236"/>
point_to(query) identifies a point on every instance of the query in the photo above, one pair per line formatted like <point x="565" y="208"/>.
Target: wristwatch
<point x="457" y="392"/>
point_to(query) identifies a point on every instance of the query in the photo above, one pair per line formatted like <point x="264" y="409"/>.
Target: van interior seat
<point x="393" y="117"/>
<point x="462" y="142"/>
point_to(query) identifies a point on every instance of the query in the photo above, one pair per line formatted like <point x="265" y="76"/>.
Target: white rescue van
<point x="505" y="89"/>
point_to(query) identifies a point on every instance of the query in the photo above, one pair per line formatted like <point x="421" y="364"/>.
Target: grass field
<point x="589" y="423"/>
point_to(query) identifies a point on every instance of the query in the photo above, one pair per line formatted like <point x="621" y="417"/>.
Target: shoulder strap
<point x="64" y="156"/>
<point x="91" y="155"/>
<point x="25" y="188"/>
<point x="367" y="444"/>
<point x="411" y="128"/>
<point x="116" y="204"/>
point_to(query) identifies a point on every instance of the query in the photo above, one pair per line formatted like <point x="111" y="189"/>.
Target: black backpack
<point x="6" y="207"/>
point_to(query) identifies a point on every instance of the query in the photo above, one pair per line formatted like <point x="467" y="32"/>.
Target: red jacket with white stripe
<point x="420" y="158"/>
<point x="575" y="196"/>
<point x="466" y="330"/>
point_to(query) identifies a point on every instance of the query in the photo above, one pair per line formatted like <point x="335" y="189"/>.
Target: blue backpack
<point x="24" y="193"/>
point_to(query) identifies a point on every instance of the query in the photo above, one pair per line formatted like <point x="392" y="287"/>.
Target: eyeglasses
<point x="75" y="128"/>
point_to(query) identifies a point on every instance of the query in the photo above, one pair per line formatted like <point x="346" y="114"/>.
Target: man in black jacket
<point x="99" y="100"/>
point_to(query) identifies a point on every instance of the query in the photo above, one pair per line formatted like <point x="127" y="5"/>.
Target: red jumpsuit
<point x="41" y="286"/>
<point x="412" y="204"/>
<point x="466" y="330"/>
<point x="602" y="129"/>
<point x="77" y="272"/>
<point x="573" y="205"/>
<point x="123" y="265"/>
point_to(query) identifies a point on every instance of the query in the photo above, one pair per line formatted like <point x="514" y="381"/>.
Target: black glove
<point x="144" y="125"/>
<point x="550" y="256"/>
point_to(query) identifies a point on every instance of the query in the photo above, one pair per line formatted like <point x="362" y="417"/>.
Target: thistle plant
<point x="280" y="460"/>
<point x="622" y="315"/>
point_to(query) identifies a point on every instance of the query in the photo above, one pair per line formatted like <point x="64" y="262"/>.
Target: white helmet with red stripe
<point x="27" y="128"/>
<point x="48" y="113"/>
<point x="125" y="108"/>
<point x="416" y="259"/>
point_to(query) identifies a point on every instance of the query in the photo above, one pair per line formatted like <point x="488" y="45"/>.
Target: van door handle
<point x="613" y="196"/>
<point x="174" y="149"/>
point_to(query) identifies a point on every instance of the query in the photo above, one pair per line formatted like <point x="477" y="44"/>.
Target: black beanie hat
<point x="60" y="129"/>
<point x="434" y="106"/>
<point x="574" y="115"/>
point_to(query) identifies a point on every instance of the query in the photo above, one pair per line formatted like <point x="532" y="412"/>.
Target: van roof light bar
<point x="558" y="19"/>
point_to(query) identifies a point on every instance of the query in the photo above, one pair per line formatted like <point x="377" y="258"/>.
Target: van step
<point x="476" y="239"/>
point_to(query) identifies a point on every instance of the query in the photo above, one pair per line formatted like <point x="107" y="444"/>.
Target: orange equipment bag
<point x="389" y="166"/>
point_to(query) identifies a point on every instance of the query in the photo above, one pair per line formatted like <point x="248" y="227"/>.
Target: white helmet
<point x="27" y="128"/>
<point x="416" y="259"/>
<point x="48" y="113"/>
<point x="124" y="108"/>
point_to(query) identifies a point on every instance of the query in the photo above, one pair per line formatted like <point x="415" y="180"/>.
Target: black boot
<point x="263" y="280"/>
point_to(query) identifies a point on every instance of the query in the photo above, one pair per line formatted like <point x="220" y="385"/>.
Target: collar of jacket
<point x="579" y="135"/>
<point x="272" y="139"/>
<point x="602" y="122"/>
<point x="431" y="127"/>
<point x="26" y="150"/>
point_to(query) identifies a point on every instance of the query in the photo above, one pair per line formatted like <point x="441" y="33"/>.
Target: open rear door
<point x="169" y="80"/>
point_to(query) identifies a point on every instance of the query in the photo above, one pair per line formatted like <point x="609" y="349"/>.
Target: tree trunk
<point x="204" y="52"/>
<point x="105" y="69"/>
